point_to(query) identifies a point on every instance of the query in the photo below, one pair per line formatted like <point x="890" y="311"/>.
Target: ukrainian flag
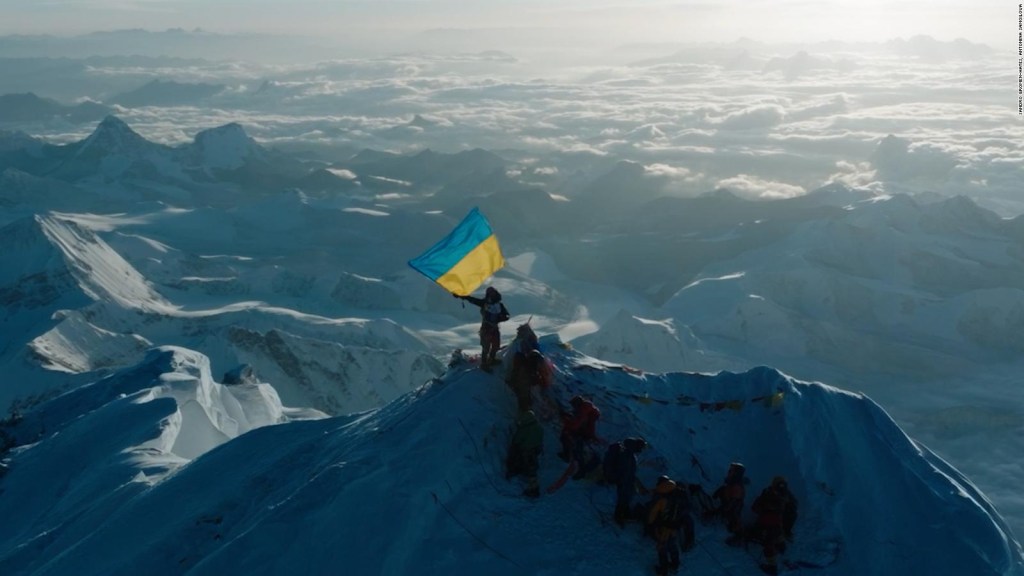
<point x="463" y="259"/>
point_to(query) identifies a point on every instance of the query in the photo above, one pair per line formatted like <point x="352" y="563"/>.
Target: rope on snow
<point x="479" y="458"/>
<point x="497" y="552"/>
<point x="713" y="557"/>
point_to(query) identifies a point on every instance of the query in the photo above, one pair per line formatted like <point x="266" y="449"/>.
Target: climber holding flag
<point x="460" y="263"/>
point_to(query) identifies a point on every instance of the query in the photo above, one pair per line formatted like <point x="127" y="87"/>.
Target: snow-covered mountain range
<point x="73" y="304"/>
<point x="193" y="292"/>
<point x="887" y="283"/>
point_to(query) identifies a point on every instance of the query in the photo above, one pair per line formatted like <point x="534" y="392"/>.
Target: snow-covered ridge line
<point x="83" y="308"/>
<point x="75" y="460"/>
<point x="434" y="458"/>
<point x="101" y="271"/>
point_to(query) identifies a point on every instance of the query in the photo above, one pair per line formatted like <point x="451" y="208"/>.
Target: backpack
<point x="677" y="505"/>
<point x="612" y="464"/>
<point x="526" y="338"/>
<point x="539" y="367"/>
<point x="706" y="503"/>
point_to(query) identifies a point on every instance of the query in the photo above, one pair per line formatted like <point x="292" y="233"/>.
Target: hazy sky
<point x="614" y="20"/>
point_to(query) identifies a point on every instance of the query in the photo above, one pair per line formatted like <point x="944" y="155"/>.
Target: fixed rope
<point x="723" y="567"/>
<point x="482" y="542"/>
<point x="479" y="457"/>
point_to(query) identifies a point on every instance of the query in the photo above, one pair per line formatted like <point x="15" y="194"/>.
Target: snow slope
<point x="114" y="151"/>
<point x="907" y="288"/>
<point x="46" y="248"/>
<point x="79" y="457"/>
<point x="917" y="303"/>
<point x="70" y="303"/>
<point x="417" y="486"/>
<point x="73" y="304"/>
<point x="224" y="147"/>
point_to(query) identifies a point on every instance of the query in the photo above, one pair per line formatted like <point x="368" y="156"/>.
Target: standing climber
<point x="730" y="496"/>
<point x="524" y="452"/>
<point x="626" y="483"/>
<point x="579" y="432"/>
<point x="492" y="313"/>
<point x="528" y="370"/>
<point x="664" y="519"/>
<point x="776" y="513"/>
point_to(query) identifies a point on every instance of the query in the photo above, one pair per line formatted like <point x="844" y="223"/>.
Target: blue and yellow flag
<point x="463" y="259"/>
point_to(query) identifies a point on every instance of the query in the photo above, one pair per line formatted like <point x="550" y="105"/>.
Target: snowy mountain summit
<point x="113" y="150"/>
<point x="113" y="136"/>
<point x="418" y="486"/>
<point x="225" y="147"/>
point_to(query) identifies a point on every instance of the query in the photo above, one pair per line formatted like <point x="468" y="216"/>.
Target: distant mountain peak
<point x="421" y="122"/>
<point x="724" y="195"/>
<point x="30" y="107"/>
<point x="77" y="263"/>
<point x="368" y="155"/>
<point x="483" y="156"/>
<point x="229" y="130"/>
<point x="113" y="134"/>
<point x="18" y="140"/>
<point x="837" y="194"/>
<point x="960" y="211"/>
<point x="227" y="146"/>
<point x="21" y="98"/>
<point x="159" y="92"/>
<point x="927" y="47"/>
<point x="112" y="122"/>
<point x="16" y="179"/>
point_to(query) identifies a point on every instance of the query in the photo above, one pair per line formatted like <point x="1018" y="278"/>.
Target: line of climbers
<point x="668" y="515"/>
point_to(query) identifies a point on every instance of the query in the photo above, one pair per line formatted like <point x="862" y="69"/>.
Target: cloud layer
<point x="768" y="121"/>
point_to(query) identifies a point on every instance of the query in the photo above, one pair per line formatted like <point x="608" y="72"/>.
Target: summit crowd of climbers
<point x="667" y="517"/>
